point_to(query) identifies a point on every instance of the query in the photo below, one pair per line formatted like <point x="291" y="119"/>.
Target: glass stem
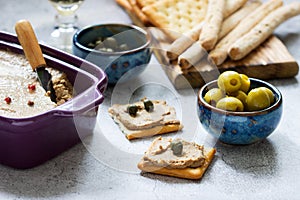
<point x="66" y="21"/>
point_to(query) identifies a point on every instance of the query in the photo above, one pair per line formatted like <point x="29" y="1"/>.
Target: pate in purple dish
<point x="30" y="141"/>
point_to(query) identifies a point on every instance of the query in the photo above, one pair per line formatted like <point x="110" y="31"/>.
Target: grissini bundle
<point x="186" y="40"/>
<point x="262" y="31"/>
<point x="194" y="52"/>
<point x="233" y="20"/>
<point x="219" y="54"/>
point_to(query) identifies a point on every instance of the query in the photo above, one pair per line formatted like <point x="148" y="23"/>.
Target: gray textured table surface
<point x="104" y="166"/>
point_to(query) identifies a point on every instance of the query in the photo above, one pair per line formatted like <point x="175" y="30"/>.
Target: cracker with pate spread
<point x="145" y="118"/>
<point x="176" y="157"/>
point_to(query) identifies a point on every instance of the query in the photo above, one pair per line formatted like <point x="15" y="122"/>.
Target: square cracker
<point x="187" y="173"/>
<point x="136" y="10"/>
<point x="176" y="16"/>
<point x="125" y="4"/>
<point x="143" y="3"/>
<point x="168" y="122"/>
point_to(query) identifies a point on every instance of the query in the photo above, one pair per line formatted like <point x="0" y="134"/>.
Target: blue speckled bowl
<point x="240" y="128"/>
<point x="119" y="66"/>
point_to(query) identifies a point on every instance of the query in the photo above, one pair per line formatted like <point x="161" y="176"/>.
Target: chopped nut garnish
<point x="48" y="93"/>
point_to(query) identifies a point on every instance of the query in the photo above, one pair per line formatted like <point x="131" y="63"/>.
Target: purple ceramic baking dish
<point x="28" y="142"/>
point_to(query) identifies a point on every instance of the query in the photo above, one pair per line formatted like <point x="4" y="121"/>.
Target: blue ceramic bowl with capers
<point x="240" y="128"/>
<point x="121" y="50"/>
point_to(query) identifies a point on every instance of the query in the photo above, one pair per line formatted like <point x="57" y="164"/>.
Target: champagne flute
<point x="66" y="23"/>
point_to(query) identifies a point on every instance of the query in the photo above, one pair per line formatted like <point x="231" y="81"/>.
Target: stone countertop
<point x="104" y="165"/>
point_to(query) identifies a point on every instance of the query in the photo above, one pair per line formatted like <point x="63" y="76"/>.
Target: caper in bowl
<point x="123" y="51"/>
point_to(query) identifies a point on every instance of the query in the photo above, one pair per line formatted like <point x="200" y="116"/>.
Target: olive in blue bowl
<point x="121" y="50"/>
<point x="240" y="127"/>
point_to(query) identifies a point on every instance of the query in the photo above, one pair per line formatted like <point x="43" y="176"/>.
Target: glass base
<point x="61" y="38"/>
<point x="62" y="35"/>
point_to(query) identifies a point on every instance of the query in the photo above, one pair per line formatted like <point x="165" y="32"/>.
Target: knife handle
<point x="29" y="42"/>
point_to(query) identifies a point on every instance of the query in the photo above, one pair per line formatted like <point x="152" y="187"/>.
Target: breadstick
<point x="234" y="19"/>
<point x="204" y="66"/>
<point x="186" y="59"/>
<point x="262" y="31"/>
<point x="219" y="54"/>
<point x="232" y="5"/>
<point x="183" y="42"/>
<point x="212" y="24"/>
<point x="191" y="56"/>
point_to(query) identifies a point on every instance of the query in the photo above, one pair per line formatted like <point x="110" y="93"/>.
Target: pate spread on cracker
<point x="161" y="153"/>
<point x="176" y="157"/>
<point x="143" y="122"/>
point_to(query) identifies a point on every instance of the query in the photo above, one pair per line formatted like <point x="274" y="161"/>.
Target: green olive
<point x="242" y="96"/>
<point x="229" y="81"/>
<point x="245" y="83"/>
<point x="257" y="99"/>
<point x="270" y="94"/>
<point x="230" y="104"/>
<point x="213" y="96"/>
